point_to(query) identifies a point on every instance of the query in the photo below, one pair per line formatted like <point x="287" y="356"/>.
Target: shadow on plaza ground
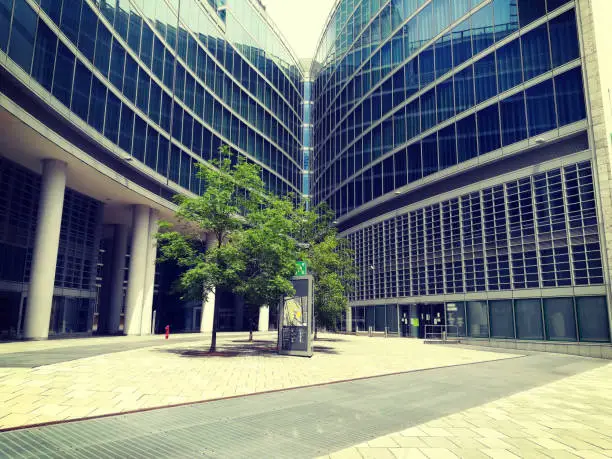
<point x="241" y="348"/>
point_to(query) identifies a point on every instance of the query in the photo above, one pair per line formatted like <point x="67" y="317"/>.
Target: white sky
<point x="300" y="21"/>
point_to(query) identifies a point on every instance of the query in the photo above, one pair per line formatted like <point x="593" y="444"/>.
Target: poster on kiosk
<point x="296" y="331"/>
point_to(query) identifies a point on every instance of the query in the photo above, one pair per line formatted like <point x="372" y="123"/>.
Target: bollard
<point x="167" y="331"/>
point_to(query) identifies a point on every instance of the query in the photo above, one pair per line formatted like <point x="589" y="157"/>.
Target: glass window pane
<point x="528" y="319"/>
<point x="486" y="78"/>
<point x="488" y="129"/>
<point x="44" y="56"/>
<point x="530" y="10"/>
<point x="536" y="53"/>
<point x="464" y="89"/>
<point x="502" y="321"/>
<point x="560" y="319"/>
<point x="22" y="35"/>
<point x="430" y="155"/>
<point x="6" y="10"/>
<point x="447" y="148"/>
<point x="478" y="321"/>
<point x="570" y="97"/>
<point x="514" y="126"/>
<point x="509" y="65"/>
<point x="593" y="319"/>
<point x="392" y="318"/>
<point x="62" y="82"/>
<point x="466" y="138"/>
<point x="455" y="317"/>
<point x="541" y="108"/>
<point x="564" y="38"/>
<point x="380" y="318"/>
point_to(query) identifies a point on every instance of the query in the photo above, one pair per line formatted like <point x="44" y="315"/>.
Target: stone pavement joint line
<point x="181" y="373"/>
<point x="568" y="418"/>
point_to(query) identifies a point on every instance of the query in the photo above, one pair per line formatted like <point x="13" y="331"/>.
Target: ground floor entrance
<point x="417" y="319"/>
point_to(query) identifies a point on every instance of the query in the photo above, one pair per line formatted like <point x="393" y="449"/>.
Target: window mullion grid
<point x="568" y="228"/>
<point x="536" y="230"/>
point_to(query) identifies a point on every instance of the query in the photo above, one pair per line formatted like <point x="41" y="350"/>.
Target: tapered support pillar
<point x="120" y="243"/>
<point x="208" y="303"/>
<point x="349" y="319"/>
<point x="147" y="306"/>
<point x="46" y="244"/>
<point x="137" y="271"/>
<point x="264" y="318"/>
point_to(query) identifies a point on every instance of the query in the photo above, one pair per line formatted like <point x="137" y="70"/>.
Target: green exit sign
<point x="300" y="268"/>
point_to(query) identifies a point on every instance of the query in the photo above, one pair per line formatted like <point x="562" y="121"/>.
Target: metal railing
<point x="444" y="333"/>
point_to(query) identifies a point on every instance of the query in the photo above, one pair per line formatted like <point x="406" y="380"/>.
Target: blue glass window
<point x="117" y="65"/>
<point x="462" y="43"/>
<point x="111" y="122"/>
<point x="97" y="102"/>
<point x="466" y="138"/>
<point x="142" y="97"/>
<point x="564" y="38"/>
<point x="426" y="66"/>
<point x="514" y="127"/>
<point x="399" y="127"/>
<point x="134" y="32"/>
<point x="140" y="137"/>
<point x="388" y="175"/>
<point x="367" y="185"/>
<point x="103" y="46"/>
<point x="399" y="94"/>
<point x="151" y="151"/>
<point x="163" y="155"/>
<point x="506" y="18"/>
<point x="80" y="93"/>
<point x="71" y="14"/>
<point x="446" y="107"/>
<point x="44" y="56"/>
<point x="464" y="89"/>
<point x="570" y="97"/>
<point x="442" y="13"/>
<point x="482" y="28"/>
<point x="541" y="108"/>
<point x="486" y="79"/>
<point x="536" y="53"/>
<point x="377" y="180"/>
<point x="412" y="77"/>
<point x="62" y="82"/>
<point x="129" y="78"/>
<point x="52" y="8"/>
<point x="488" y="129"/>
<point x="146" y="45"/>
<point x="401" y="172"/>
<point x="22" y="35"/>
<point x="126" y="128"/>
<point x="444" y="60"/>
<point x="185" y="170"/>
<point x="530" y="10"/>
<point x="430" y="155"/>
<point x="554" y="4"/>
<point x="6" y="10"/>
<point x="460" y="7"/>
<point x="175" y="163"/>
<point x="428" y="110"/>
<point x="425" y="21"/>
<point x="415" y="164"/>
<point x="447" y="149"/>
<point x="413" y="119"/>
<point x="509" y="65"/>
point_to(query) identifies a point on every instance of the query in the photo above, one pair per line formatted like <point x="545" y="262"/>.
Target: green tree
<point x="330" y="261"/>
<point x="208" y="223"/>
<point x="268" y="252"/>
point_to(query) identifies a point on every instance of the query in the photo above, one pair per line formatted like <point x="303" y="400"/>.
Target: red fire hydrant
<point x="167" y="331"/>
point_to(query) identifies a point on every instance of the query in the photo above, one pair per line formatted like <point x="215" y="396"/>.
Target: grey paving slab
<point x="33" y="359"/>
<point x="297" y="423"/>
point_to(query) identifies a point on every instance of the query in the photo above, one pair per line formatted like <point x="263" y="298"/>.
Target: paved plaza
<point x="167" y="374"/>
<point x="468" y="402"/>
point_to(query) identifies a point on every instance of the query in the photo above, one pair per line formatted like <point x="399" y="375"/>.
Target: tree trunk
<point x="213" y="339"/>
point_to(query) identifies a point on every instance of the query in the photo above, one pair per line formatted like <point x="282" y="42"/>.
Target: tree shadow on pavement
<point x="240" y="348"/>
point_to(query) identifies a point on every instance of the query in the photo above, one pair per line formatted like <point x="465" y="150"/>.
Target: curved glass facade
<point x="167" y="82"/>
<point x="450" y="138"/>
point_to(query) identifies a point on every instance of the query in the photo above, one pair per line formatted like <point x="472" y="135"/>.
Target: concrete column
<point x="147" y="306"/>
<point x="208" y="303"/>
<point x="46" y="244"/>
<point x="120" y="243"/>
<point x="264" y="318"/>
<point x="349" y="319"/>
<point x="137" y="269"/>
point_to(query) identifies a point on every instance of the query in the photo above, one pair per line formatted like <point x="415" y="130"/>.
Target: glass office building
<point x="106" y="107"/>
<point x="462" y="145"/>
